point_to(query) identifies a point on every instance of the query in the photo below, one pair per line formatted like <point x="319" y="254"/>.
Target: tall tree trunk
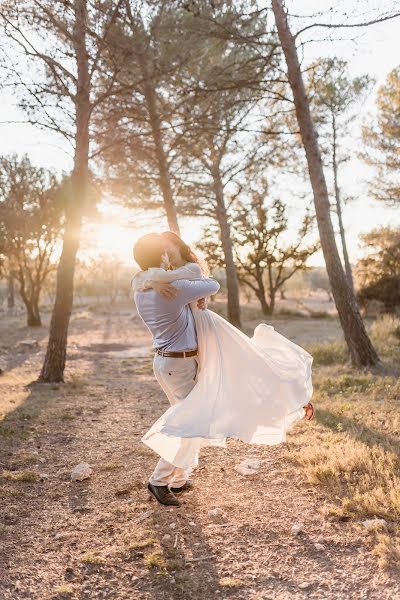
<point x="338" y="201"/>
<point x="362" y="353"/>
<point x="232" y="282"/>
<point x="10" y="292"/>
<point x="32" y="315"/>
<point x="36" y="309"/>
<point x="271" y="288"/>
<point x="54" y="362"/>
<point x="164" y="178"/>
<point x="347" y="265"/>
<point x="261" y="292"/>
<point x="263" y="303"/>
<point x="155" y="124"/>
<point x="272" y="297"/>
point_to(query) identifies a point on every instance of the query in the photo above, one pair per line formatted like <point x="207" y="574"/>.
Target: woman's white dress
<point x="252" y="389"/>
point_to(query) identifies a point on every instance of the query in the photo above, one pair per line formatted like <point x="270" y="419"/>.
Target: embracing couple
<point x="220" y="383"/>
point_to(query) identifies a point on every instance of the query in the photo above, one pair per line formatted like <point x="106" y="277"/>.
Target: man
<point x="165" y="310"/>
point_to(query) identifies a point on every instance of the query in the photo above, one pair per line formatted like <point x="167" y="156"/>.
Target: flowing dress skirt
<point x="252" y="389"/>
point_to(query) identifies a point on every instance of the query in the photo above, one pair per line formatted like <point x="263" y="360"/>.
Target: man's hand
<point x="166" y="290"/>
<point x="202" y="303"/>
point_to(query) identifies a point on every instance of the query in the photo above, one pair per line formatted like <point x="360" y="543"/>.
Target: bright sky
<point x="376" y="52"/>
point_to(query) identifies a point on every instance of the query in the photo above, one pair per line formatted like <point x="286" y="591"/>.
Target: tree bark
<point x="265" y="309"/>
<point x="347" y="265"/>
<point x="232" y="282"/>
<point x="32" y="312"/>
<point x="33" y="315"/>
<point x="54" y="362"/>
<point x="261" y="293"/>
<point x="362" y="352"/>
<point x="338" y="201"/>
<point x="10" y="292"/>
<point x="36" y="310"/>
<point x="155" y="123"/>
<point x="271" y="302"/>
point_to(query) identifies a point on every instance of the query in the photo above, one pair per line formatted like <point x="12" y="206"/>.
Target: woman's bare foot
<point x="309" y="412"/>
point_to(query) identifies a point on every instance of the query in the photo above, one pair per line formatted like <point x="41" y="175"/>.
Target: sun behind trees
<point x="60" y="91"/>
<point x="182" y="111"/>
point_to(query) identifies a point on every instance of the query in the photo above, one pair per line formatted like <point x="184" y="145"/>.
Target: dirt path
<point x="104" y="538"/>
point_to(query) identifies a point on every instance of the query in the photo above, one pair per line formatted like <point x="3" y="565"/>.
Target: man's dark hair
<point x="148" y="250"/>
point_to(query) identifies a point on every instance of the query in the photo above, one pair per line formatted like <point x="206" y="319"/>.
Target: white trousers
<point x="177" y="377"/>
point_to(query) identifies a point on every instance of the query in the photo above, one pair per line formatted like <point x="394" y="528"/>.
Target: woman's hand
<point x="202" y="303"/>
<point x="166" y="290"/>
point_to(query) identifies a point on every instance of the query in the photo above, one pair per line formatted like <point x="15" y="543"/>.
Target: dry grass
<point x="111" y="467"/>
<point x="387" y="550"/>
<point x="230" y="582"/>
<point x="92" y="559"/>
<point x="173" y="565"/>
<point x="76" y="383"/>
<point x="66" y="415"/>
<point x="333" y="353"/>
<point x="10" y="493"/>
<point x="138" y="541"/>
<point x="63" y="591"/>
<point x="145" y="368"/>
<point x="385" y="333"/>
<point x="25" y="458"/>
<point x="352" y="448"/>
<point x="25" y="476"/>
<point x="4" y="529"/>
<point x="385" y="328"/>
<point x="154" y="560"/>
<point x="141" y="543"/>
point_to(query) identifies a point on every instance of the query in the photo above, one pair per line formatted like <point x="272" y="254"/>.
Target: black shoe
<point x="186" y="486"/>
<point x="163" y="494"/>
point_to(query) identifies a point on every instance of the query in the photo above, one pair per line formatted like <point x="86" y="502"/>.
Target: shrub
<point x="332" y="353"/>
<point x="384" y="328"/>
<point x="386" y="290"/>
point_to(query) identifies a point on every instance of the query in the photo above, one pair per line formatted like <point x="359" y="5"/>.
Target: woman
<point x="253" y="389"/>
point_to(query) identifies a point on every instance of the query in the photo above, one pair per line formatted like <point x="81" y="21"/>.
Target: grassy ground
<point x="103" y="538"/>
<point x="352" y="451"/>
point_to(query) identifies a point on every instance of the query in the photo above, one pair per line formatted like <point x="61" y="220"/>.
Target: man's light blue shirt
<point x="171" y="322"/>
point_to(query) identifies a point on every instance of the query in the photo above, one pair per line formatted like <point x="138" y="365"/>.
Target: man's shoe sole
<point x="184" y="488"/>
<point x="152" y="492"/>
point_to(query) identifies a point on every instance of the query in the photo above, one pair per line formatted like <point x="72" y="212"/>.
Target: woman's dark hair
<point x="186" y="251"/>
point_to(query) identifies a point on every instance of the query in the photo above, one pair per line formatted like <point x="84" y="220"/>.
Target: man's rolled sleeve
<point x="190" y="291"/>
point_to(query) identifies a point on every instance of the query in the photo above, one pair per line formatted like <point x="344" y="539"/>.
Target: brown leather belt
<point x="187" y="354"/>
